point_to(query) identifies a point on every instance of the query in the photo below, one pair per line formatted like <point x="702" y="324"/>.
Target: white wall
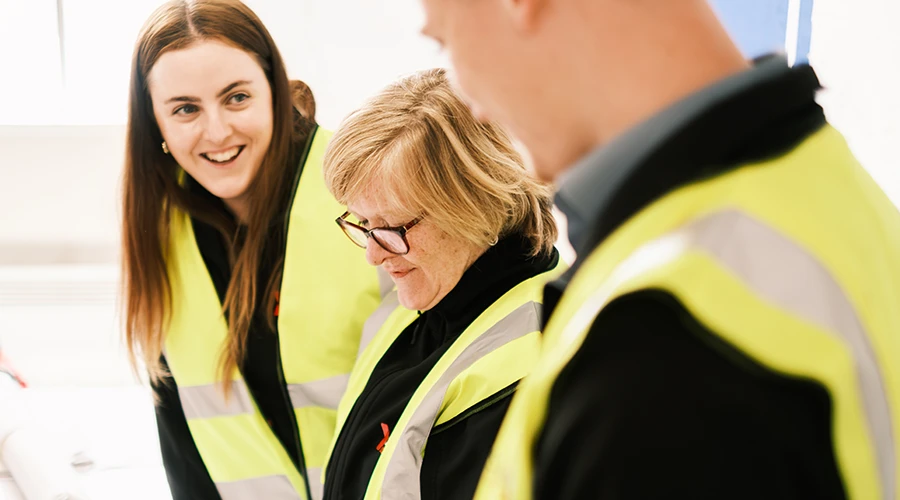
<point x="347" y="50"/>
<point x="855" y="49"/>
<point x="58" y="192"/>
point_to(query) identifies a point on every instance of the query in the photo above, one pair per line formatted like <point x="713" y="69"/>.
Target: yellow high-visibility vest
<point x="326" y="294"/>
<point x="495" y="351"/>
<point x="794" y="261"/>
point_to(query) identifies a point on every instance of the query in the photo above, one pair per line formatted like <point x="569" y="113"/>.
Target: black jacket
<point x="456" y="451"/>
<point x="654" y="405"/>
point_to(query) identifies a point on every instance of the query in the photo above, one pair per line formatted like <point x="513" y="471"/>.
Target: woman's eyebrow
<point x="192" y="99"/>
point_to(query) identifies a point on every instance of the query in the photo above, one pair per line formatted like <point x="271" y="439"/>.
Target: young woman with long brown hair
<point x="240" y="300"/>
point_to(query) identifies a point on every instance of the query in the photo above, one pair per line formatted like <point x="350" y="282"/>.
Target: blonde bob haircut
<point x="419" y="143"/>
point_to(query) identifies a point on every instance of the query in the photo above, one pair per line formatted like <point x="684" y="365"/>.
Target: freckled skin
<point x="435" y="262"/>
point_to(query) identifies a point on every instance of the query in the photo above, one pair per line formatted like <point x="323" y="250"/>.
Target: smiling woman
<point x="222" y="181"/>
<point x="213" y="105"/>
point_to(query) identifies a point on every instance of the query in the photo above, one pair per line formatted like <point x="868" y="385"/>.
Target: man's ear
<point x="525" y="14"/>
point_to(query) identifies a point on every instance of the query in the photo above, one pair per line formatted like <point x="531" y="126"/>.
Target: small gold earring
<point x="165" y="147"/>
<point x="494" y="241"/>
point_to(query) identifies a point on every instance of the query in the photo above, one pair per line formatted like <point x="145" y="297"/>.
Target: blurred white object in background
<point x="39" y="466"/>
<point x="58" y="323"/>
<point x="13" y="415"/>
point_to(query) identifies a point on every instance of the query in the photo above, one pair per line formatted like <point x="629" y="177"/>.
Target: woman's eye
<point x="187" y="109"/>
<point x="239" y="98"/>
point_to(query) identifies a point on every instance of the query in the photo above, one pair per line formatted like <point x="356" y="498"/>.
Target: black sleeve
<point x="456" y="452"/>
<point x="185" y="471"/>
<point x="656" y="406"/>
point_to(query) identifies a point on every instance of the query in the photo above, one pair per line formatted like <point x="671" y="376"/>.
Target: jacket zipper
<point x="338" y="466"/>
<point x="487" y="403"/>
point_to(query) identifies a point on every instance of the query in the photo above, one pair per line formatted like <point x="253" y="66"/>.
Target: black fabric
<point x="458" y="450"/>
<point x="262" y="370"/>
<point x="655" y="406"/>
<point x="185" y="471"/>
<point x="455" y="454"/>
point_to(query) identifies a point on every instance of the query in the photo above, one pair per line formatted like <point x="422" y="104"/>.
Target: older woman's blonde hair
<point x="419" y="143"/>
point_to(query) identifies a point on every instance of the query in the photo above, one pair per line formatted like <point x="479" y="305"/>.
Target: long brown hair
<point x="152" y="188"/>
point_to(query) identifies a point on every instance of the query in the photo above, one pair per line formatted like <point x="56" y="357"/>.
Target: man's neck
<point x="659" y="65"/>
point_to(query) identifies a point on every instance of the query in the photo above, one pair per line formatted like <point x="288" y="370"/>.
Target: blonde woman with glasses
<point x="444" y="204"/>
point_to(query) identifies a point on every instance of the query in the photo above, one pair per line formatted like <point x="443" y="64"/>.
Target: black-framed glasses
<point x="392" y="239"/>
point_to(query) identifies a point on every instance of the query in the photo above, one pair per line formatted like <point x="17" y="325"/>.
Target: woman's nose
<point x="217" y="127"/>
<point x="376" y="255"/>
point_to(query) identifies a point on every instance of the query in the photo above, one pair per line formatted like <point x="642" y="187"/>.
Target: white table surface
<point x="114" y="428"/>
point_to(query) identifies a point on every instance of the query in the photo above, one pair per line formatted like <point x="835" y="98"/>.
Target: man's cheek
<point x="461" y="86"/>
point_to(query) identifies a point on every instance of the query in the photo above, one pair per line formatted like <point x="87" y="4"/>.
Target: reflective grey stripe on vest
<point x="274" y="487"/>
<point x="787" y="275"/>
<point x="325" y="393"/>
<point x="377" y="319"/>
<point x="401" y="478"/>
<point x="207" y="401"/>
<point x="314" y="480"/>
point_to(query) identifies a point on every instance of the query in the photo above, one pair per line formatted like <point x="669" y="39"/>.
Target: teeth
<point x="225" y="155"/>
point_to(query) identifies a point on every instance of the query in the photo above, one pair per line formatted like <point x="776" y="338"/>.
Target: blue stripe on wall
<point x="760" y="26"/>
<point x="804" y="32"/>
<point x="757" y="26"/>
